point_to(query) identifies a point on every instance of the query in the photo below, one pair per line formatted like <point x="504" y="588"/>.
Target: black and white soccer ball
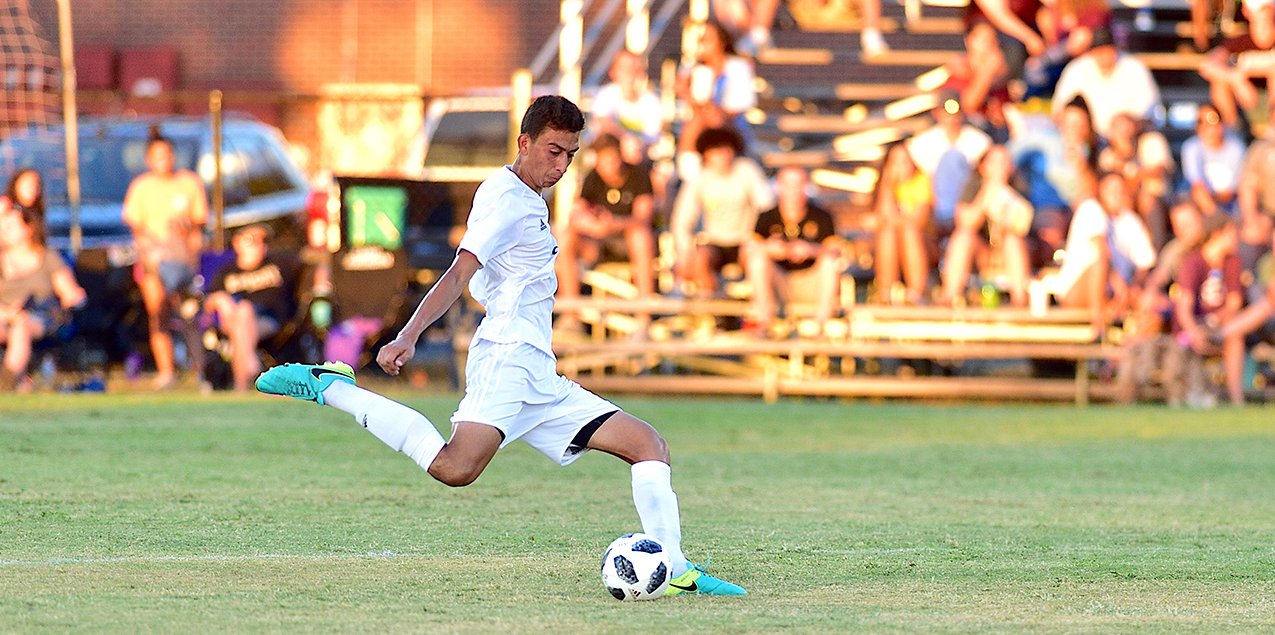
<point x="636" y="567"/>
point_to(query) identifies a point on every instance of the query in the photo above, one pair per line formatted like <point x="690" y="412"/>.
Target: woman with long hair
<point x="36" y="289"/>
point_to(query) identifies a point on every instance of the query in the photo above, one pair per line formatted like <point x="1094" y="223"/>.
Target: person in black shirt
<point x="253" y="296"/>
<point x="793" y="253"/>
<point x="611" y="221"/>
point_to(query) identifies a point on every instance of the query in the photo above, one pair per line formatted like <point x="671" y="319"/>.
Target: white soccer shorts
<point x="516" y="389"/>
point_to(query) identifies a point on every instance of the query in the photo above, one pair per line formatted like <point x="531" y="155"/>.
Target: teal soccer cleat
<point x="697" y="580"/>
<point x="304" y="381"/>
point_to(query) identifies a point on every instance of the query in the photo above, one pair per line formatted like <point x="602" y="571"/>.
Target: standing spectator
<point x="720" y="90"/>
<point x="26" y="190"/>
<point x="253" y="297"/>
<point x="1146" y="340"/>
<point x="36" y="289"/>
<point x="1211" y="163"/>
<point x="946" y="154"/>
<point x="1231" y="67"/>
<point x="793" y="249"/>
<point x="905" y="228"/>
<point x="724" y="201"/>
<point x="1111" y="82"/>
<point x="989" y="201"/>
<point x="627" y="109"/>
<point x="612" y="220"/>
<point x="167" y="209"/>
<point x="1210" y="292"/>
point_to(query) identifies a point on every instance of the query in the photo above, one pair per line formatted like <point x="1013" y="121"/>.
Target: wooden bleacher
<point x="703" y="359"/>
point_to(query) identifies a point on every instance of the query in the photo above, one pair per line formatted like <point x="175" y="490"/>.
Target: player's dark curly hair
<point x="551" y="111"/>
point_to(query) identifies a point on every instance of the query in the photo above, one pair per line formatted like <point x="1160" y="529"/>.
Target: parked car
<point x="261" y="181"/>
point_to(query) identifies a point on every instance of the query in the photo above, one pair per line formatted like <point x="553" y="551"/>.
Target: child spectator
<point x="1145" y="160"/>
<point x="1256" y="198"/>
<point x="793" y="252"/>
<point x="1210" y="292"/>
<point x="26" y="190"/>
<point x="990" y="202"/>
<point x="981" y="77"/>
<point x="724" y="201"/>
<point x="37" y="289"/>
<point x="1129" y="245"/>
<point x="1067" y="27"/>
<point x="905" y="228"/>
<point x="1211" y="163"/>
<point x="1015" y="22"/>
<point x="1081" y="281"/>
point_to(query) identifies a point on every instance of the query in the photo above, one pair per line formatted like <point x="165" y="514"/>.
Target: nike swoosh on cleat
<point x="320" y="372"/>
<point x="693" y="588"/>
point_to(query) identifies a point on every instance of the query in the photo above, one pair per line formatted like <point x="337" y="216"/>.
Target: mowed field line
<point x="1071" y="549"/>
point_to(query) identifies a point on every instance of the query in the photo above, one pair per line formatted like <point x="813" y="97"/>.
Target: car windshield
<point x="107" y="164"/>
<point x="469" y="139"/>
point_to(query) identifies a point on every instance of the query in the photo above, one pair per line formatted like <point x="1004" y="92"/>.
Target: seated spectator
<point x="37" y="289"/>
<point x="794" y="248"/>
<point x="1210" y="293"/>
<point x="1146" y="338"/>
<point x="1231" y="67"/>
<point x="981" y="77"/>
<point x="611" y="221"/>
<point x="1057" y="159"/>
<point x="1081" y="281"/>
<point x="1016" y="26"/>
<point x="946" y="153"/>
<point x="992" y="221"/>
<point x="904" y="228"/>
<point x="720" y="91"/>
<point x="723" y="201"/>
<point x="26" y="190"/>
<point x="1145" y="160"/>
<point x="627" y="109"/>
<point x="1067" y="27"/>
<point x="253" y="297"/>
<point x="1129" y="244"/>
<point x="1211" y="163"/>
<point x="1111" y="82"/>
<point x="1256" y="198"/>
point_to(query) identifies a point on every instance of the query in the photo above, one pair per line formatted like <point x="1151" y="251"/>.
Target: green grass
<point x="137" y="514"/>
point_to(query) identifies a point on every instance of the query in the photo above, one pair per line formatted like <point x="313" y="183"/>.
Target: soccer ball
<point x="636" y="567"/>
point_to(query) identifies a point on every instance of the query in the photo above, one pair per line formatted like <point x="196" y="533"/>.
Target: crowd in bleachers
<point x="1045" y="178"/>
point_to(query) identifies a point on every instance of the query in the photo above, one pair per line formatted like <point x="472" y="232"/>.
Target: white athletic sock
<point x="403" y="429"/>
<point x="657" y="507"/>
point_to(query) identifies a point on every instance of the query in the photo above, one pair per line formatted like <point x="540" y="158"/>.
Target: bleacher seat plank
<point x="1184" y="61"/>
<point x="936" y="26"/>
<point x="795" y="56"/>
<point x="874" y="92"/>
<point x="837" y="124"/>
<point x="911" y="58"/>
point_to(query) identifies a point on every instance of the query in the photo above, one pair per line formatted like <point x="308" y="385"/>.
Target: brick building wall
<point x="294" y="47"/>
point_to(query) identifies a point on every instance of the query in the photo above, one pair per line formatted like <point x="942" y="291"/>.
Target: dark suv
<point x="261" y="181"/>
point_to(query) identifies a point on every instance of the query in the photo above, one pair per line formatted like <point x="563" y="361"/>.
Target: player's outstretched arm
<point x="441" y="296"/>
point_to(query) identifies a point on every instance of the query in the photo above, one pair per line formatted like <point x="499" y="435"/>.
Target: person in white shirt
<point x="627" y="109"/>
<point x="947" y="154"/>
<point x="1111" y="82"/>
<point x="513" y="391"/>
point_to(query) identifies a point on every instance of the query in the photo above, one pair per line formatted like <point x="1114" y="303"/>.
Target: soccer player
<point x="513" y="390"/>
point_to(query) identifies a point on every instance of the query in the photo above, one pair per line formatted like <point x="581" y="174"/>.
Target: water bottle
<point x="990" y="296"/>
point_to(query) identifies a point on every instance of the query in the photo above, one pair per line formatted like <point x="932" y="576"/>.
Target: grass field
<point x="137" y="514"/>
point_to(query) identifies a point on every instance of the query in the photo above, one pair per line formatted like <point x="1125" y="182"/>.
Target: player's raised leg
<point x="402" y="428"/>
<point x="636" y="442"/>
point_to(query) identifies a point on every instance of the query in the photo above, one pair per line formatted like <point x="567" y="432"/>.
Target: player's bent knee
<point x="453" y="474"/>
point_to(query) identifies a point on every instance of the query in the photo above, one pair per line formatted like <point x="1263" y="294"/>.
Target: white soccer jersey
<point x="508" y="231"/>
